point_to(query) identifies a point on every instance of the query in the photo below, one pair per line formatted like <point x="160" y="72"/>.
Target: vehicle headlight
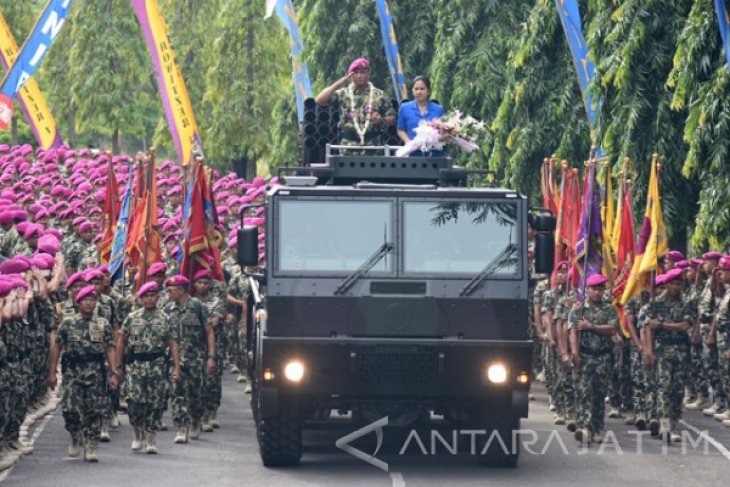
<point x="497" y="373"/>
<point x="294" y="371"/>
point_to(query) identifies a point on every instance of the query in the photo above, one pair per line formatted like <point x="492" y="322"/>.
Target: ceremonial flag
<point x="724" y="21"/>
<point x="111" y="213"/>
<point x="586" y="69"/>
<point x="175" y="99"/>
<point x="390" y="44"/>
<point x="550" y="192"/>
<point x="625" y="252"/>
<point x="143" y="242"/>
<point x="588" y="257"/>
<point x="31" y="100"/>
<point x="116" y="263"/>
<point x="302" y="84"/>
<point x="30" y="56"/>
<point x="568" y="223"/>
<point x="652" y="239"/>
<point x="201" y="237"/>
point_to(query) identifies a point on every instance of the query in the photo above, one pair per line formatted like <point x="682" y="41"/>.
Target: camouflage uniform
<point x="8" y="239"/>
<point x="88" y="255"/>
<point x="548" y="302"/>
<point x="16" y="377"/>
<point x="188" y="404"/>
<point x="85" y="396"/>
<point x="148" y="335"/>
<point x="644" y="381"/>
<point x="239" y="288"/>
<point x="565" y="375"/>
<point x="698" y="382"/>
<point x="539" y="281"/>
<point x="672" y="352"/>
<point x="723" y="341"/>
<point x="348" y="133"/>
<point x="706" y="308"/>
<point x="5" y="381"/>
<point x="595" y="363"/>
<point x="214" y="304"/>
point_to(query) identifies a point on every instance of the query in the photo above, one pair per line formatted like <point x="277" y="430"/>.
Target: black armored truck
<point x="394" y="287"/>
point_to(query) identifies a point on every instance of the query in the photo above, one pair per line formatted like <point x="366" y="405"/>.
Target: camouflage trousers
<point x="83" y="405"/>
<point x="592" y="387"/>
<point x="146" y="393"/>
<point x="711" y="366"/>
<point x="235" y="344"/>
<point x="7" y="394"/>
<point x="565" y="391"/>
<point x="40" y="372"/>
<point x="621" y="385"/>
<point x="188" y="403"/>
<point x="698" y="382"/>
<point x="550" y="364"/>
<point x="672" y="368"/>
<point x="214" y="389"/>
<point x="644" y="382"/>
<point x="18" y="377"/>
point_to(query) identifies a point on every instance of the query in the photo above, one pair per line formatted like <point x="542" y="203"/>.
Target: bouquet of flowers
<point x="452" y="127"/>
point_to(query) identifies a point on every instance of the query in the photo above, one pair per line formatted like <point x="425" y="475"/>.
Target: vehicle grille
<point x="409" y="366"/>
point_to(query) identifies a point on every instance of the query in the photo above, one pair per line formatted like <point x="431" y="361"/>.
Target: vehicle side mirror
<point x="544" y="257"/>
<point x="248" y="246"/>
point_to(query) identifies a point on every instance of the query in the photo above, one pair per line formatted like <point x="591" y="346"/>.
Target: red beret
<point x="597" y="280"/>
<point x="148" y="287"/>
<point x="88" y="291"/>
<point x="177" y="281"/>
<point x="156" y="268"/>
<point x="201" y="274"/>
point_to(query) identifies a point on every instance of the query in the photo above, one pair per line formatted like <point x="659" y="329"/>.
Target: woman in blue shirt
<point x="420" y="108"/>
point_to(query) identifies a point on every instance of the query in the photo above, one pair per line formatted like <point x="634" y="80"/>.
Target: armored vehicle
<point x="392" y="289"/>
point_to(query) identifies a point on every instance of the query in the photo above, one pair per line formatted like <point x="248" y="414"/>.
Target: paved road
<point x="229" y="457"/>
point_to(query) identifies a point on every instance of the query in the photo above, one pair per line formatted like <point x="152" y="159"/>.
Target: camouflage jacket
<point x="8" y="239"/>
<point x="84" y="342"/>
<point x="148" y="332"/>
<point x="21" y="248"/>
<point x="537" y="296"/>
<point x="362" y="111"/>
<point x="88" y="255"/>
<point x="189" y="327"/>
<point x="106" y="308"/>
<point x="591" y="342"/>
<point x="706" y="305"/>
<point x="669" y="311"/>
<point x="565" y="304"/>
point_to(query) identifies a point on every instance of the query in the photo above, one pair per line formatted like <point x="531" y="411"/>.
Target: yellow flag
<point x="30" y="97"/>
<point x="657" y="244"/>
<point x="609" y="216"/>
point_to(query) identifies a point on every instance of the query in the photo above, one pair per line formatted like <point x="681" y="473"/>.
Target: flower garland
<point x="361" y="131"/>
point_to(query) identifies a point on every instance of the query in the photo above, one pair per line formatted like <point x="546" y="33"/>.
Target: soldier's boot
<point x="654" y="427"/>
<point x="248" y="388"/>
<point x="235" y="370"/>
<point x="688" y="396"/>
<point x="195" y="430"/>
<point x="114" y="422"/>
<point x="90" y="451"/>
<point x="182" y="435"/>
<point x="614" y="413"/>
<point x="665" y="430"/>
<point x="597" y="437"/>
<point x="674" y="436"/>
<point x="559" y="419"/>
<point x="726" y="423"/>
<point x="150" y="438"/>
<point x="75" y="447"/>
<point x="696" y="405"/>
<point x="640" y="422"/>
<point x="630" y="419"/>
<point x="104" y="437"/>
<point x="712" y="410"/>
<point x="583" y="436"/>
<point x="137" y="441"/>
<point x="163" y="426"/>
<point x="571" y="424"/>
<point x="213" y="420"/>
<point x="207" y="427"/>
<point x="722" y="416"/>
<point x="241" y="378"/>
<point x="8" y="457"/>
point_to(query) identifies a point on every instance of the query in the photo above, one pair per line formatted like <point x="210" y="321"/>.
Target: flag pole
<point x="587" y="245"/>
<point x="148" y="205"/>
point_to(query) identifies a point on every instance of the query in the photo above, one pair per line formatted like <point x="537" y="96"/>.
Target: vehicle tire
<point x="280" y="436"/>
<point x="503" y="454"/>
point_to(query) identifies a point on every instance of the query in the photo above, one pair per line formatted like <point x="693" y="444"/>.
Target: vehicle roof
<point x="394" y="190"/>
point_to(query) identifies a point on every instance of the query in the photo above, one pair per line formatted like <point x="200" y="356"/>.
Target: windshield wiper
<point x="347" y="282"/>
<point x="488" y="270"/>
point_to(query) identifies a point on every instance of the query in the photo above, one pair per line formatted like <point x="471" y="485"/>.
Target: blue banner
<point x="302" y="85"/>
<point x="116" y="261"/>
<point x="724" y="21"/>
<point x="572" y="26"/>
<point x="36" y="46"/>
<point x="390" y="44"/>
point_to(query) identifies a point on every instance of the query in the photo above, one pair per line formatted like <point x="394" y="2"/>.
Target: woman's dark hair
<point x="424" y="80"/>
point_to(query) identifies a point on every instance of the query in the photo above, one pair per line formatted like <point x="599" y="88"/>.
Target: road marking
<point x="706" y="435"/>
<point x="398" y="480"/>
<point x="36" y="433"/>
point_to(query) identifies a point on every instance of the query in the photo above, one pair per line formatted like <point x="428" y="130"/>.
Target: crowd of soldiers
<point x="672" y="352"/>
<point x="119" y="350"/>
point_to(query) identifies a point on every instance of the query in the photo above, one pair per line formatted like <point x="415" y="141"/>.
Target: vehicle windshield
<point x="458" y="238"/>
<point x="333" y="236"/>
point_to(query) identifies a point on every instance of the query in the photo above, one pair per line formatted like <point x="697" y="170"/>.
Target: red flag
<point x="201" y="235"/>
<point x="143" y="241"/>
<point x="624" y="256"/>
<point x="569" y="213"/>
<point x="111" y="213"/>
